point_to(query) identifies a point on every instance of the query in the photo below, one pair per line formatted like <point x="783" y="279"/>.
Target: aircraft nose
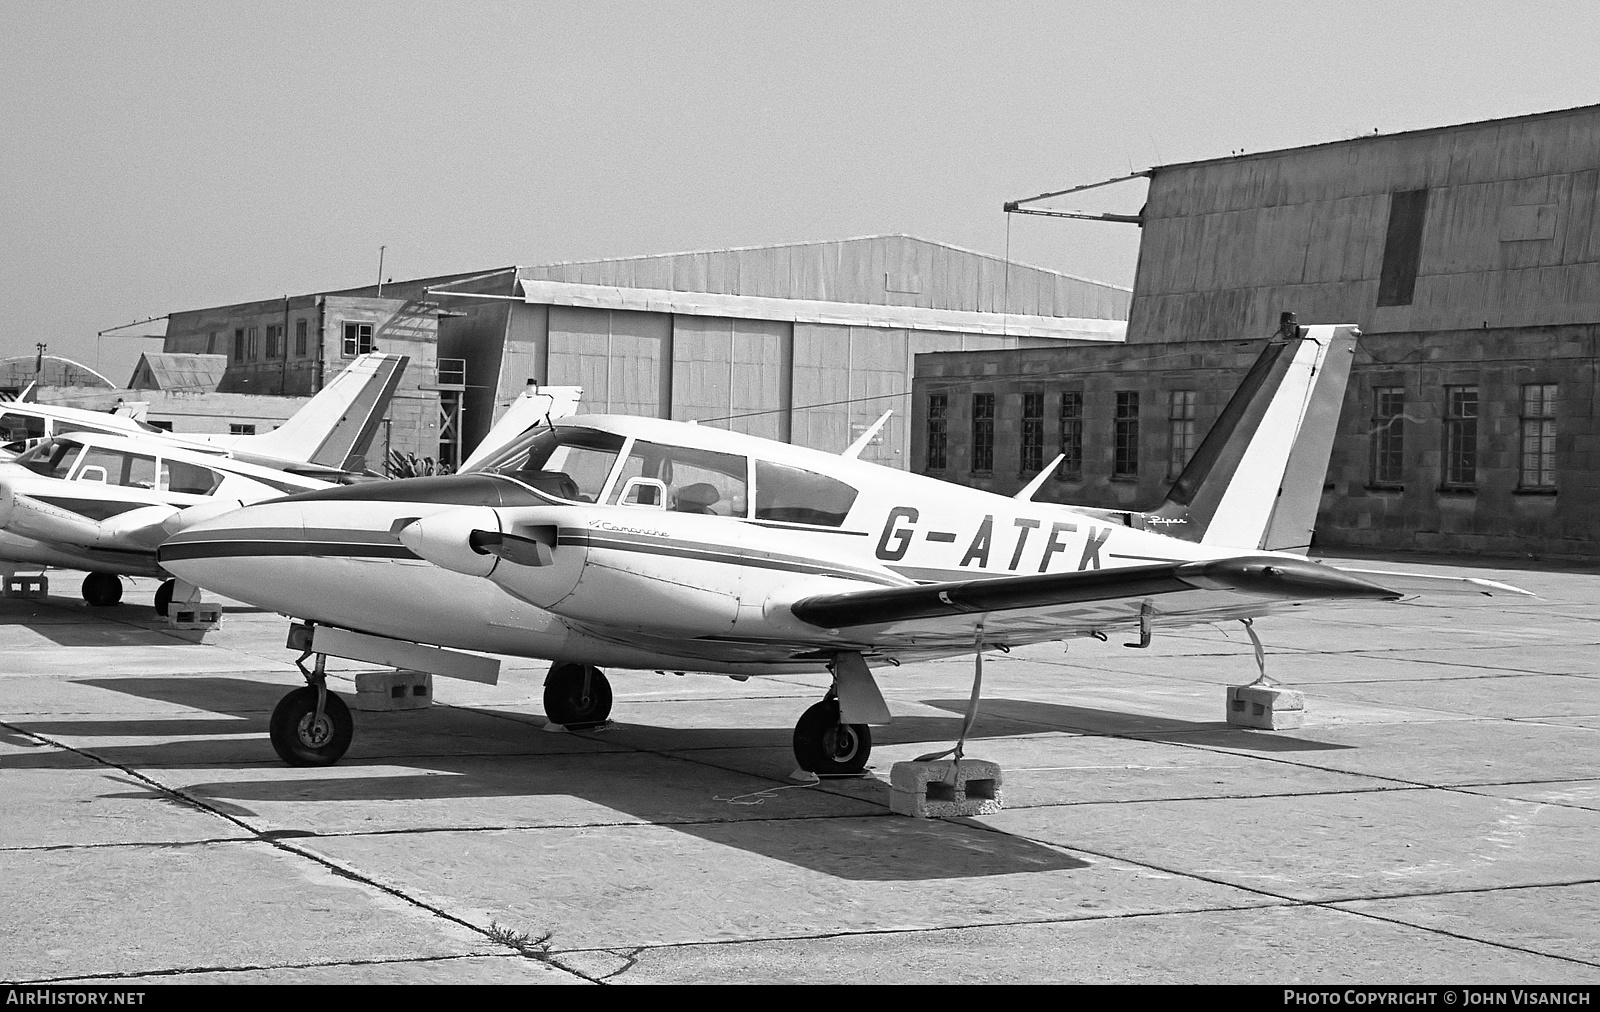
<point x="240" y="554"/>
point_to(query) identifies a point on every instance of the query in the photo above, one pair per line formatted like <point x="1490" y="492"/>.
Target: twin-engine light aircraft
<point x="326" y="437"/>
<point x="649" y="544"/>
<point x="102" y="502"/>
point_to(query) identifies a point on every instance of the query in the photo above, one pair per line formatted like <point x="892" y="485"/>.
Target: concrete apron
<point x="1410" y="831"/>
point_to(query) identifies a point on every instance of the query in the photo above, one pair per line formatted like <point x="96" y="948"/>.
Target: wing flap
<point x="1250" y="577"/>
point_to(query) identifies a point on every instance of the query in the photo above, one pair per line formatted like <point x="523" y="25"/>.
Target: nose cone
<point x="445" y="539"/>
<point x="252" y="554"/>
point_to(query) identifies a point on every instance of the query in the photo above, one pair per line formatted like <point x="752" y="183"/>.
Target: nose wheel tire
<point x="102" y="590"/>
<point x="301" y="739"/>
<point x="577" y="695"/>
<point x="164" y="597"/>
<point x="822" y="744"/>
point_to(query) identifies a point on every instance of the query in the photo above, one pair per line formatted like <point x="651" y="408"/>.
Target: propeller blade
<point x="535" y="547"/>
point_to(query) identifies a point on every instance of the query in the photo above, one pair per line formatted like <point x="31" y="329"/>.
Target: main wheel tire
<point x="565" y="701"/>
<point x="822" y="744"/>
<point x="164" y="597"/>
<point x="102" y="590"/>
<point x="300" y="739"/>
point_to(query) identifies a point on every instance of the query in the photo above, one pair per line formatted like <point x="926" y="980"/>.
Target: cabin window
<point x="798" y="496"/>
<point x="1460" y="437"/>
<point x="53" y="459"/>
<point x="130" y="470"/>
<point x="1032" y="456"/>
<point x="1538" y="437"/>
<point x="1125" y="435"/>
<point x="188" y="479"/>
<point x="1071" y="468"/>
<point x="16" y="431"/>
<point x="697" y="481"/>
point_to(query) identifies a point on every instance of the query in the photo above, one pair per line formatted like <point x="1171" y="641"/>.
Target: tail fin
<point x="336" y="426"/>
<point x="1256" y="479"/>
<point x="534" y="405"/>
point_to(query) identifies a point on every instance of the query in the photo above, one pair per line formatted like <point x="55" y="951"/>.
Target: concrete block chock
<point x="393" y="690"/>
<point x="27" y="586"/>
<point x="1268" y="707"/>
<point x="923" y="790"/>
<point x="193" y="615"/>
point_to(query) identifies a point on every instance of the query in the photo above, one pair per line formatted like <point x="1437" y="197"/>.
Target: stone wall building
<point x="1468" y="255"/>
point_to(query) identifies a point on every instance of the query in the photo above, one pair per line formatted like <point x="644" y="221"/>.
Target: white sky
<point x="162" y="156"/>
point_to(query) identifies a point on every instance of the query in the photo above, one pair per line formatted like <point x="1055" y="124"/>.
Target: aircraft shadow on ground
<point x="1088" y="720"/>
<point x="62" y="622"/>
<point x="485" y="755"/>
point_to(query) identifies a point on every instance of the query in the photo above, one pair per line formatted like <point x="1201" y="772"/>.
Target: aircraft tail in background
<point x="334" y="429"/>
<point x="1256" y="479"/>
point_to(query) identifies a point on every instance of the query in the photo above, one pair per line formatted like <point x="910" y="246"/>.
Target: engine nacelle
<point x="445" y="539"/>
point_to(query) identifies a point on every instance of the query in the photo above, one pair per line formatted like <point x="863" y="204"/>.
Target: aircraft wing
<point x="1023" y="609"/>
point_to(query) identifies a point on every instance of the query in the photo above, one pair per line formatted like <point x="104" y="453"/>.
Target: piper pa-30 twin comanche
<point x="649" y="544"/>
<point x="101" y="502"/>
<point x="325" y="438"/>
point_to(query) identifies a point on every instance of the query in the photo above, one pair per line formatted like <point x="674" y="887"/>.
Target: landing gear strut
<point x="311" y="726"/>
<point x="102" y="590"/>
<point x="576" y="696"/>
<point x="823" y="744"/>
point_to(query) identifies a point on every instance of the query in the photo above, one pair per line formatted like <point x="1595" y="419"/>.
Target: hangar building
<point x="806" y="342"/>
<point x="1468" y="255"/>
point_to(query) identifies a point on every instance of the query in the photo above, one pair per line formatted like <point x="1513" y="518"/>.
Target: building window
<point x="300" y="338"/>
<point x="357" y="339"/>
<point x="1180" y="431"/>
<point x="274" y="340"/>
<point x="983" y="432"/>
<point x="1125" y="435"/>
<point x="1388" y="436"/>
<point x="211" y="343"/>
<point x="238" y="345"/>
<point x="1402" y="247"/>
<point x="1032" y="433"/>
<point x="1071" y="468"/>
<point x="938" y="435"/>
<point x="1460" y="437"/>
<point x="252" y="342"/>
<point x="1539" y="437"/>
<point x="241" y="429"/>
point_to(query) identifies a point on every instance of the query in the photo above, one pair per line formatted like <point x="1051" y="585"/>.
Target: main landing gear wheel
<point x="102" y="590"/>
<point x="301" y="738"/>
<point x="824" y="745"/>
<point x="577" y="695"/>
<point x="164" y="597"/>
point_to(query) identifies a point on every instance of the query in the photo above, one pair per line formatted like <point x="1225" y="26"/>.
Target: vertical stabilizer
<point x="533" y="407"/>
<point x="336" y="426"/>
<point x="1255" y="481"/>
